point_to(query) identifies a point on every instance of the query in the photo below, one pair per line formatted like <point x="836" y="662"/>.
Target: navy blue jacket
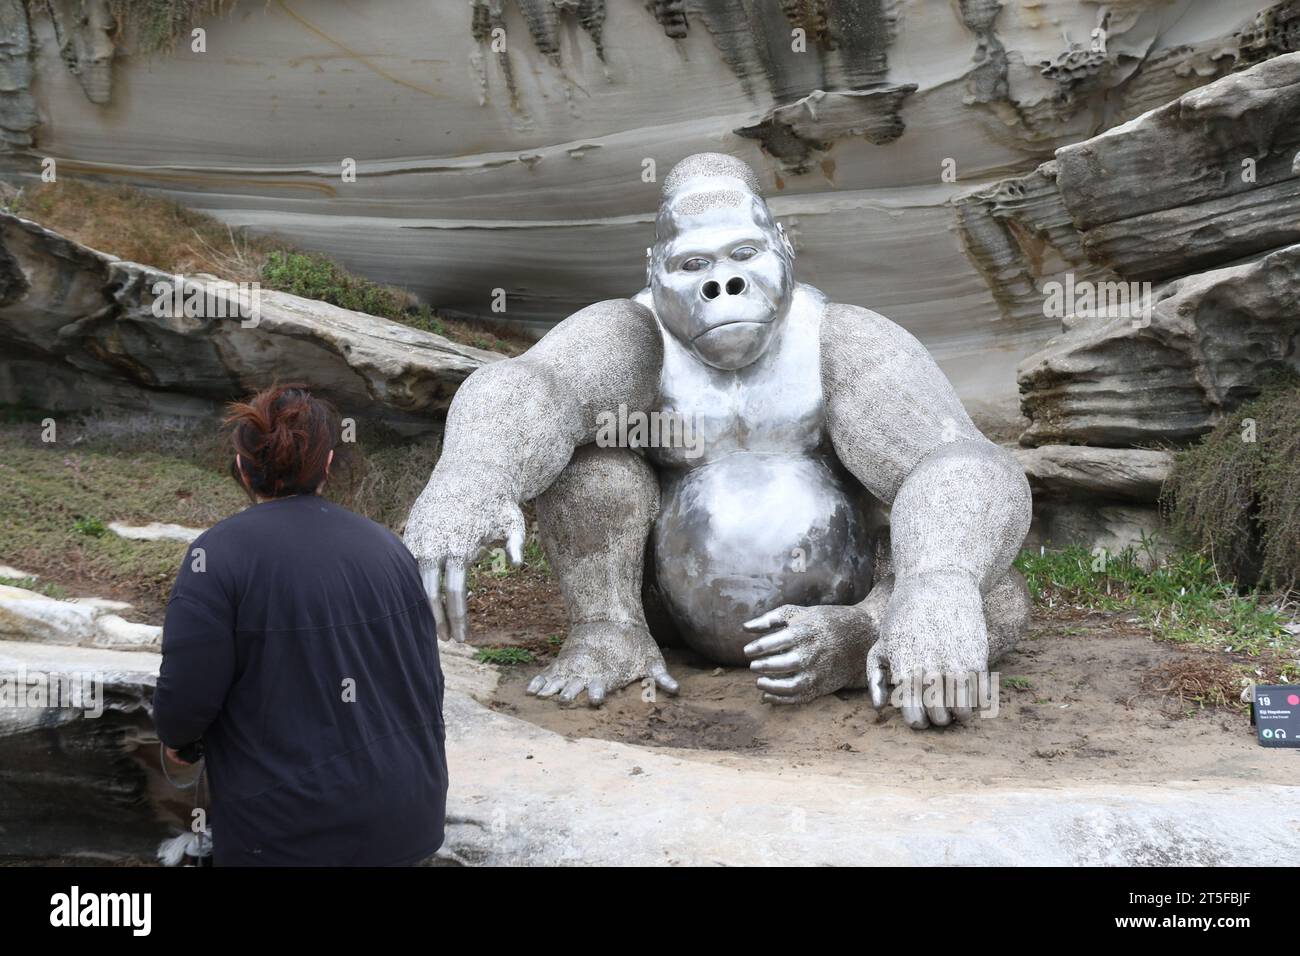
<point x="299" y="646"/>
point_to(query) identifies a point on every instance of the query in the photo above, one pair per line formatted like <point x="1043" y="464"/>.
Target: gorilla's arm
<point x="960" y="504"/>
<point x="513" y="427"/>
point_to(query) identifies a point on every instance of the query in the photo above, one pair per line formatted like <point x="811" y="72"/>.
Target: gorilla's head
<point x="721" y="270"/>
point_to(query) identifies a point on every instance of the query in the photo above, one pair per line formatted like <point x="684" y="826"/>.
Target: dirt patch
<point x="1082" y="700"/>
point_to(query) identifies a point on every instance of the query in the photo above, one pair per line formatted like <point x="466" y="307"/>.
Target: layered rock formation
<point x="517" y="145"/>
<point x="81" y="329"/>
<point x="1191" y="213"/>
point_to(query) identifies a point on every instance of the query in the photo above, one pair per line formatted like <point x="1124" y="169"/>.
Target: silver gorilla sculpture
<point x="763" y="542"/>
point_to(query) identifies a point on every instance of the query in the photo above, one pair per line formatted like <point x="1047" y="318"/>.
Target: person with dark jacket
<point x="299" y="647"/>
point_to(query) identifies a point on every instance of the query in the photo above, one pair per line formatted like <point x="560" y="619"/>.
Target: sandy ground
<point x="1082" y="709"/>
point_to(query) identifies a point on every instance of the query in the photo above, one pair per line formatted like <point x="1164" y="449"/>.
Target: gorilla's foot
<point x="603" y="656"/>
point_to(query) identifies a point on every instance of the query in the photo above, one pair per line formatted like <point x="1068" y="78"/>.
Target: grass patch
<point x="32" y="584"/>
<point x="91" y="527"/>
<point x="1181" y="598"/>
<point x="51" y="497"/>
<point x="503" y="655"/>
<point x="1236" y="495"/>
<point x="135" y="225"/>
<point x="57" y="497"/>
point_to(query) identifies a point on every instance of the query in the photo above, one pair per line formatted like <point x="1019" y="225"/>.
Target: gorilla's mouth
<point x="728" y="323"/>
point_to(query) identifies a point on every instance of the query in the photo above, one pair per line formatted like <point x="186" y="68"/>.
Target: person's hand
<point x="601" y="656"/>
<point x="814" y="651"/>
<point x="174" y="756"/>
<point x="458" y="514"/>
<point x="933" y="642"/>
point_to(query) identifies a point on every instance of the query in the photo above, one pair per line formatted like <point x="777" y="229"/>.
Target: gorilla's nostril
<point x="735" y="285"/>
<point x="711" y="290"/>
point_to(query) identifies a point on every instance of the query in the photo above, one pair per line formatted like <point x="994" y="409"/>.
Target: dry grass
<point x="1198" y="680"/>
<point x="131" y="224"/>
<point x="1236" y="494"/>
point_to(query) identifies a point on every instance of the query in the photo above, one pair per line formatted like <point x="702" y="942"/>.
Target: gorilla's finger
<point x="914" y="716"/>
<point x="431" y="574"/>
<point x="595" y="693"/>
<point x="877" y="685"/>
<point x="911" y="701"/>
<point x="777" y="664"/>
<point x="571" y="690"/>
<point x="515" y="530"/>
<point x="784" y="686"/>
<point x="963" y="705"/>
<point x="664" y="679"/>
<point x="552" y="687"/>
<point x="782" y="640"/>
<point x="773" y="699"/>
<point x="774" y="618"/>
<point x="935" y="702"/>
<point x="457" y="602"/>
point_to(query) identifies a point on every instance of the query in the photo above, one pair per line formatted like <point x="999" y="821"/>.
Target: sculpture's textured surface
<point x="785" y="421"/>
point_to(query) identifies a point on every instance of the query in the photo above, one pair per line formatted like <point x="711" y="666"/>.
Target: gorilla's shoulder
<point x="610" y="321"/>
<point x="617" y="310"/>
<point x="854" y="333"/>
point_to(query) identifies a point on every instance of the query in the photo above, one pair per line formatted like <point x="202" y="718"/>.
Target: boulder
<point x="138" y="337"/>
<point x="79" y="775"/>
<point x="1076" y="471"/>
<point x="30" y="616"/>
<point x="1096" y="497"/>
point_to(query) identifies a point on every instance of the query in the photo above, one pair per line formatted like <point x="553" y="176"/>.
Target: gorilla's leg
<point x="595" y="520"/>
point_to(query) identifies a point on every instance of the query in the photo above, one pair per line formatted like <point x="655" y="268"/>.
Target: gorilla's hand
<point x="933" y="647"/>
<point x="818" y="651"/>
<point x="601" y="656"/>
<point x="459" y="513"/>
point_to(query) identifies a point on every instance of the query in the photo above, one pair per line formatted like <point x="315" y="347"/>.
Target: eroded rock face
<point x="1102" y="497"/>
<point x="502" y="144"/>
<point x="1124" y="474"/>
<point x="1199" y="199"/>
<point x="1210" y="341"/>
<point x="71" y="316"/>
<point x="18" y="116"/>
<point x="82" y="777"/>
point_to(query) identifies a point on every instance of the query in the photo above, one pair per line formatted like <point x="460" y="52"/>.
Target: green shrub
<point x="1236" y="494"/>
<point x="503" y="655"/>
<point x="314" y="276"/>
<point x="91" y="527"/>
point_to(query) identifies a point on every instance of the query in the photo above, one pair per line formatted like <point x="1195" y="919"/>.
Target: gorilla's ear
<point x="785" y="241"/>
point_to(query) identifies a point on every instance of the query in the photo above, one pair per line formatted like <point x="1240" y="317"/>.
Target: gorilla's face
<point x="722" y="282"/>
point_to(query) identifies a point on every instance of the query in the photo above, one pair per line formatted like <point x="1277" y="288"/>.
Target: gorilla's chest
<point x="774" y="406"/>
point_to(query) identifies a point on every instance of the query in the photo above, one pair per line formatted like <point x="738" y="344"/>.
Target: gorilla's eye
<point x="695" y="264"/>
<point x="743" y="253"/>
